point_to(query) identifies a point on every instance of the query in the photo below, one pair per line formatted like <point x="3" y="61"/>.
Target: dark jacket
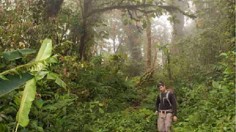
<point x="163" y="104"/>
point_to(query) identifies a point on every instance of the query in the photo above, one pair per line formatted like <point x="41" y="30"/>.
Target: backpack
<point x="167" y="95"/>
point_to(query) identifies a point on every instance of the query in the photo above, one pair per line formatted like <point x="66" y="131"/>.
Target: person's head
<point x="161" y="86"/>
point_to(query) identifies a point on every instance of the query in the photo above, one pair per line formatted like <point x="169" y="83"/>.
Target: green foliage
<point x="45" y="50"/>
<point x="56" y="78"/>
<point x="3" y="128"/>
<point x="200" y="48"/>
<point x="42" y="60"/>
<point x="98" y="99"/>
<point x="210" y="108"/>
<point x="39" y="69"/>
<point x="13" y="82"/>
<point x="28" y="96"/>
<point x="16" y="54"/>
<point x="128" y="120"/>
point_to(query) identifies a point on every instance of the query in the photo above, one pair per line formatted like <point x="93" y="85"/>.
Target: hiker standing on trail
<point x="166" y="108"/>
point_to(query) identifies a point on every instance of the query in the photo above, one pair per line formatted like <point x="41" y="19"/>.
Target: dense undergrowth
<point x="209" y="105"/>
<point x="99" y="98"/>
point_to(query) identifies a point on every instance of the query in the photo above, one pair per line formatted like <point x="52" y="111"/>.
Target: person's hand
<point x="175" y="118"/>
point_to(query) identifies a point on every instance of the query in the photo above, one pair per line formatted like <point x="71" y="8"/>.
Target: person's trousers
<point x="164" y="122"/>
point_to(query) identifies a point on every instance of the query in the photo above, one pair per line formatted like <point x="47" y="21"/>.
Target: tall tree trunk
<point x="85" y="26"/>
<point x="83" y="41"/>
<point x="134" y="42"/>
<point x="178" y="25"/>
<point x="149" y="43"/>
<point x="134" y="47"/>
<point x="154" y="58"/>
<point x="168" y="65"/>
<point x="177" y="34"/>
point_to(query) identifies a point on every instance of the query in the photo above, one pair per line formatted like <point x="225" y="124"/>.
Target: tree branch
<point x="137" y="7"/>
<point x="130" y="7"/>
<point x="174" y="8"/>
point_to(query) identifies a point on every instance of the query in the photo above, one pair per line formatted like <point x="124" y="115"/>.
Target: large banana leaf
<point x="45" y="50"/>
<point x="26" y="102"/>
<point x="30" y="87"/>
<point x="13" y="82"/>
<point x="16" y="54"/>
<point x="57" y="79"/>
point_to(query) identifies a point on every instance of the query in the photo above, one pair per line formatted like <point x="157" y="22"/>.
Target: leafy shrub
<point x="210" y="108"/>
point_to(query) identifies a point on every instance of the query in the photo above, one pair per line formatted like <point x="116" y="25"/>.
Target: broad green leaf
<point x="40" y="75"/>
<point x="12" y="55"/>
<point x="26" y="102"/>
<point x="53" y="59"/>
<point x="45" y="50"/>
<point x="17" y="54"/>
<point x="13" y="82"/>
<point x="52" y="76"/>
<point x="3" y="77"/>
<point x="27" y="51"/>
<point x="60" y="82"/>
<point x="223" y="54"/>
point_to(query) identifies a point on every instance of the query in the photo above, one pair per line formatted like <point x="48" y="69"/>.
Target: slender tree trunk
<point x="134" y="48"/>
<point x="83" y="40"/>
<point x="178" y="25"/>
<point x="149" y="44"/>
<point x="168" y="65"/>
<point x="154" y="58"/>
<point x="85" y="26"/>
<point x="114" y="45"/>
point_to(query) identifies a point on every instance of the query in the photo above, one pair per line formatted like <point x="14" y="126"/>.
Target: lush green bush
<point x="98" y="97"/>
<point x="211" y="107"/>
<point x="128" y="120"/>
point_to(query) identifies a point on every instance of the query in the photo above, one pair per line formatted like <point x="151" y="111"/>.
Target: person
<point x="166" y="108"/>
